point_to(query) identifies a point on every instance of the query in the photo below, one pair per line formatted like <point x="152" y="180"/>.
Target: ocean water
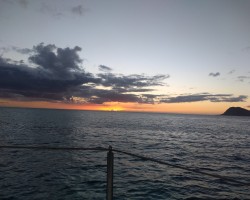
<point x="214" y="144"/>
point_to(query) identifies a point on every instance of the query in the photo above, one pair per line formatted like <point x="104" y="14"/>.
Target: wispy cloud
<point x="15" y="48"/>
<point x="231" y="72"/>
<point x="104" y="68"/>
<point x="246" y="49"/>
<point x="131" y="81"/>
<point x="50" y="10"/>
<point x="23" y="3"/>
<point x="22" y="50"/>
<point x="205" y="97"/>
<point x="4" y="50"/>
<point x="243" y="78"/>
<point x="79" y="10"/>
<point x="214" y="74"/>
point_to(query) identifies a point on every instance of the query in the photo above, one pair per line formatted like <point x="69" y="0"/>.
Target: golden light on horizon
<point x="112" y="106"/>
<point x="181" y="108"/>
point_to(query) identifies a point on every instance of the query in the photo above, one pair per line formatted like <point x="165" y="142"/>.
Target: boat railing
<point x="110" y="163"/>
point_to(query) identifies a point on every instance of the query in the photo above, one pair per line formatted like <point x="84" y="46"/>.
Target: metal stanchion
<point x="110" y="167"/>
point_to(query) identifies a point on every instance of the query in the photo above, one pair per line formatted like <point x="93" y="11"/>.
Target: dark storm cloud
<point x="99" y="96"/>
<point x="31" y="95"/>
<point x="204" y="97"/>
<point x="104" y="68"/>
<point x="61" y="63"/>
<point x="57" y="71"/>
<point x="56" y="75"/>
<point x="214" y="74"/>
<point x="93" y="95"/>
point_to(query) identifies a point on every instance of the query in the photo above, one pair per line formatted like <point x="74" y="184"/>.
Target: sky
<point x="175" y="56"/>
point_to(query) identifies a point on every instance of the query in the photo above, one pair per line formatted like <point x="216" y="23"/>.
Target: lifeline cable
<point x="183" y="167"/>
<point x="227" y="179"/>
<point x="54" y="148"/>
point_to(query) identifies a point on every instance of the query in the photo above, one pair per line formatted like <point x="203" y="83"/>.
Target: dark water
<point x="215" y="144"/>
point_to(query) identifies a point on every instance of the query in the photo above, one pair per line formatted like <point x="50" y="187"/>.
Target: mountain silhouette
<point x="237" y="111"/>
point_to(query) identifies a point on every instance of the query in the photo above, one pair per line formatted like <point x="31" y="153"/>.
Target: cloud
<point x="131" y="81"/>
<point x="14" y="48"/>
<point x="101" y="96"/>
<point x="57" y="75"/>
<point x="214" y="74"/>
<point x="231" y="72"/>
<point x="57" y="71"/>
<point x="22" y="50"/>
<point x="4" y="50"/>
<point x="243" y="78"/>
<point x="91" y="94"/>
<point x="104" y="68"/>
<point x="23" y="3"/>
<point x="134" y="90"/>
<point x="78" y="10"/>
<point x="204" y="97"/>
<point x="246" y="49"/>
<point x="60" y="62"/>
<point x="51" y="10"/>
<point x="59" y="11"/>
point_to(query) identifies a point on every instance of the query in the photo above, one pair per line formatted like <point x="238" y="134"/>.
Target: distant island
<point x="237" y="111"/>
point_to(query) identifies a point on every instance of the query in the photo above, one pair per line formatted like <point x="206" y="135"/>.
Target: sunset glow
<point x="185" y="108"/>
<point x="136" y="56"/>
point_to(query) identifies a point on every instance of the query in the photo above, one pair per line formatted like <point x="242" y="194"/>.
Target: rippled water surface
<point x="214" y="144"/>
